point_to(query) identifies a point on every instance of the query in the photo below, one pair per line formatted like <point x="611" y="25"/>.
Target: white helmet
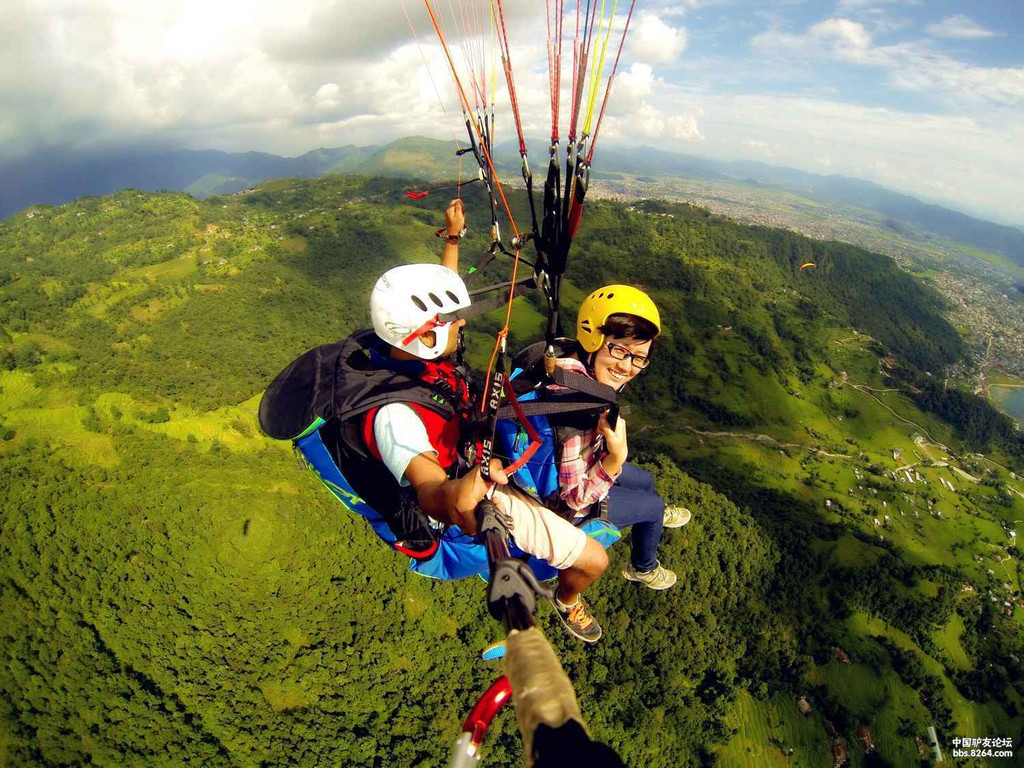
<point x="408" y="299"/>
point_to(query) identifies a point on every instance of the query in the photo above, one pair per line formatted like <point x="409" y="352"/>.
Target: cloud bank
<point x="286" y="78"/>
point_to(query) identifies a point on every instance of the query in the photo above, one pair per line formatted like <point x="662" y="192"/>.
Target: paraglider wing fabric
<point x="602" y="531"/>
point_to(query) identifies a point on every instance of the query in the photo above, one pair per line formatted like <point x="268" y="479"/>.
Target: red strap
<point x="369" y="438"/>
<point x="417" y="554"/>
<point x="535" y="440"/>
<point x="428" y="326"/>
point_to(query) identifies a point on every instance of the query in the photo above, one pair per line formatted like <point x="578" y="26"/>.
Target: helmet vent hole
<point x="600" y="295"/>
<point x="436" y="300"/>
<point x="419" y="303"/>
<point x="611" y="295"/>
<point x="452" y="296"/>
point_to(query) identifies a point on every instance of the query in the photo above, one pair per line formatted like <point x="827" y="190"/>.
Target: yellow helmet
<point x="608" y="301"/>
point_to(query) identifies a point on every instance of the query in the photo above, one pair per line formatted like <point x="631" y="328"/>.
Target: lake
<point x="1011" y="400"/>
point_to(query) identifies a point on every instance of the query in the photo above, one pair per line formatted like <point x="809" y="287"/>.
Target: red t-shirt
<point x="443" y="432"/>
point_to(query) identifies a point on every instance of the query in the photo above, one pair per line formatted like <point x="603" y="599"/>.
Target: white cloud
<point x="652" y="40"/>
<point x="841" y="38"/>
<point x="859" y="5"/>
<point x="945" y="189"/>
<point x="326" y="96"/>
<point x="959" y="27"/>
<point x="921" y="70"/>
<point x="849" y="38"/>
<point x="909" y="152"/>
<point x="657" y="124"/>
<point x="910" y="66"/>
<point x="633" y="86"/>
<point x="259" y="75"/>
<point x="759" y="148"/>
<point x="230" y="74"/>
<point x="650" y="122"/>
<point x="674" y="8"/>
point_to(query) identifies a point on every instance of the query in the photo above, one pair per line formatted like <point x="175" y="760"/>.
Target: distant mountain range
<point x="899" y="208"/>
<point x="59" y="177"/>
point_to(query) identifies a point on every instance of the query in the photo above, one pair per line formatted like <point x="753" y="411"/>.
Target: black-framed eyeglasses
<point x="619" y="352"/>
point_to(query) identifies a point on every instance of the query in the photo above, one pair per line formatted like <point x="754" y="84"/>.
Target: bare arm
<point x="452" y="502"/>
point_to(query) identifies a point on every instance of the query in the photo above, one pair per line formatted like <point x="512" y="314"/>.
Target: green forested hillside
<point x="175" y="590"/>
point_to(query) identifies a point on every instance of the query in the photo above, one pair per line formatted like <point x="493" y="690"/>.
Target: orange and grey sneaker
<point x="676" y="517"/>
<point x="579" y="620"/>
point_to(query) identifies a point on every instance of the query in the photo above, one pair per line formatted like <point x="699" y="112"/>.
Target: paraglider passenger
<point x="615" y="330"/>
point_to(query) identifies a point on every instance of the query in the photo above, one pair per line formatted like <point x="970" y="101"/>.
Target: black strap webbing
<point x="584" y="396"/>
<point x="552" y="407"/>
<point x="580" y="383"/>
<point x="478" y="308"/>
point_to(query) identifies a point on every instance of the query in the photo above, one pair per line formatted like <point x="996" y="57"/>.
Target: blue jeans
<point x="632" y="501"/>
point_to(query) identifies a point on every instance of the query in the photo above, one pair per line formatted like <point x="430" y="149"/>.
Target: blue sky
<point x="987" y="36"/>
<point x="924" y="96"/>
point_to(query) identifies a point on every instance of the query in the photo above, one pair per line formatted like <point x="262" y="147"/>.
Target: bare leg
<point x="584" y="572"/>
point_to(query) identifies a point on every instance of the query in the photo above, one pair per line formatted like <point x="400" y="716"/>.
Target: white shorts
<point x="539" y="531"/>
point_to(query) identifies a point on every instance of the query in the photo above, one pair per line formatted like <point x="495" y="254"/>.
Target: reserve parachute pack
<point x="320" y="402"/>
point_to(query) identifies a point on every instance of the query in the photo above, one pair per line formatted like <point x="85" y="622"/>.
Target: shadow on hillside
<point x="793" y="525"/>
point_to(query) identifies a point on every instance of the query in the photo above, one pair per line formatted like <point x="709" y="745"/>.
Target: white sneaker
<point x="676" y="517"/>
<point x="660" y="578"/>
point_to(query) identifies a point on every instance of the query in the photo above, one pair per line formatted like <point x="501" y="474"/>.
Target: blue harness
<point x="458" y="554"/>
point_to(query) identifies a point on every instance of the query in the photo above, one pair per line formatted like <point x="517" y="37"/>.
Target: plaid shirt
<point x="582" y="479"/>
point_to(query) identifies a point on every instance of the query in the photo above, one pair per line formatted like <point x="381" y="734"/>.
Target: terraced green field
<point x="41" y="414"/>
<point x="948" y="640"/>
<point x="973" y="717"/>
<point x="767" y="731"/>
<point x="170" y="270"/>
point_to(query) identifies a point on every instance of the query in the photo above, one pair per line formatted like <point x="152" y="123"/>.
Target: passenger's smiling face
<point x="617" y="373"/>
